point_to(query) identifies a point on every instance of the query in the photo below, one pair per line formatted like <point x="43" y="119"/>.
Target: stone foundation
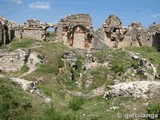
<point x="12" y="61"/>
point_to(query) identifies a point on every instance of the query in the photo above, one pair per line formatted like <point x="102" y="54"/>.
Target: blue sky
<point x="144" y="11"/>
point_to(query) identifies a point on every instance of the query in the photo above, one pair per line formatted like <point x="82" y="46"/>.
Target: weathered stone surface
<point x="113" y="35"/>
<point x="156" y="40"/>
<point x="110" y="33"/>
<point x="136" y="35"/>
<point x="76" y="31"/>
<point x="12" y="61"/>
<point x="30" y="86"/>
<point x="154" y="28"/>
<point x="136" y="89"/>
<point x="34" y="29"/>
<point x="6" y="30"/>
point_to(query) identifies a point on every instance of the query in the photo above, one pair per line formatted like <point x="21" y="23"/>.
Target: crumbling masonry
<point x="112" y="34"/>
<point x="6" y="31"/>
<point x="33" y="29"/>
<point x="76" y="31"/>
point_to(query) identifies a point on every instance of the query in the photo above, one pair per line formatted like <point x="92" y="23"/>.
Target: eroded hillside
<point x="56" y="82"/>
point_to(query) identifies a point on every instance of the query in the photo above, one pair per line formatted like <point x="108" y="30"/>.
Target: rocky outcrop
<point x="136" y="89"/>
<point x="13" y="61"/>
<point x="75" y="31"/>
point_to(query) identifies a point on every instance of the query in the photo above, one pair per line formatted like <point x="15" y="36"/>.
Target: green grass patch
<point x="24" y="69"/>
<point x="76" y="103"/>
<point x="154" y="109"/>
<point x="23" y="43"/>
<point x="121" y="61"/>
<point x="101" y="56"/>
<point x="12" y="104"/>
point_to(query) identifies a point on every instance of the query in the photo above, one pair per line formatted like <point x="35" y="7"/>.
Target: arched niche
<point x="79" y="37"/>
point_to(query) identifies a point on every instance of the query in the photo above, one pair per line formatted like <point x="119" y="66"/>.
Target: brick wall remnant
<point x="75" y="31"/>
<point x="33" y="29"/>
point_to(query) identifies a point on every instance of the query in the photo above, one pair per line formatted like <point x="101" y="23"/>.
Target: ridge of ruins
<point x="77" y="31"/>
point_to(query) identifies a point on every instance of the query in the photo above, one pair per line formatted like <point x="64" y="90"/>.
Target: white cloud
<point x="15" y="1"/>
<point x="40" y="5"/>
<point x="156" y="15"/>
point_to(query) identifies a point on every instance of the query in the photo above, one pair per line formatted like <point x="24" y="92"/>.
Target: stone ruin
<point x="137" y="35"/>
<point x="12" y="61"/>
<point x="112" y="34"/>
<point x="33" y="29"/>
<point x="6" y="31"/>
<point x="155" y="30"/>
<point x="75" y="31"/>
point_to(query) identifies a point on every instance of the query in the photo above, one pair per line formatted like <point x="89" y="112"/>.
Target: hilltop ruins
<point x="77" y="31"/>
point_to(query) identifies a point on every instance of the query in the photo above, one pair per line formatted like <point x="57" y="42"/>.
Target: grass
<point x="50" y="36"/>
<point x="154" y="109"/>
<point x="16" y="44"/>
<point x="121" y="61"/>
<point x="76" y="103"/>
<point x="24" y="43"/>
<point x="17" y="104"/>
<point x="14" y="106"/>
<point x="101" y="56"/>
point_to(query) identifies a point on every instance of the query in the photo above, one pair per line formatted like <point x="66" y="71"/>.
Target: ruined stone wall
<point x="114" y="35"/>
<point x="137" y="35"/>
<point x="1" y="34"/>
<point x="18" y="33"/>
<point x="12" y="61"/>
<point x="33" y="29"/>
<point x="75" y="31"/>
<point x="6" y="31"/>
<point x="156" y="40"/>
<point x="38" y="34"/>
<point x="110" y="33"/>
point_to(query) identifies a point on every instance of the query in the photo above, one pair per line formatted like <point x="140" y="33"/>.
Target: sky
<point x="51" y="11"/>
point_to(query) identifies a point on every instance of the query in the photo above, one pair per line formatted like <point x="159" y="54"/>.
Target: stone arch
<point x="49" y="33"/>
<point x="80" y="37"/>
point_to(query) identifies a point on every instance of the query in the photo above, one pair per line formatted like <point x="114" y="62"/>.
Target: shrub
<point x="76" y="103"/>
